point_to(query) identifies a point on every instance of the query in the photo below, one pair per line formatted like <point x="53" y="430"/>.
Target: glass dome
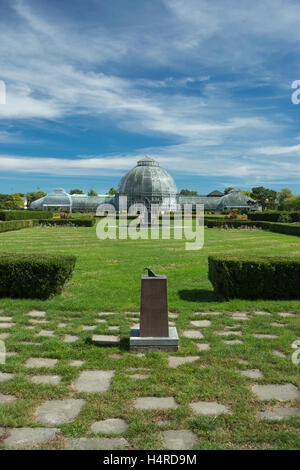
<point x="235" y="199"/>
<point x="58" y="198"/>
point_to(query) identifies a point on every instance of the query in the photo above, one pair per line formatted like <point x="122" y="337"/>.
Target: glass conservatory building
<point x="147" y="183"/>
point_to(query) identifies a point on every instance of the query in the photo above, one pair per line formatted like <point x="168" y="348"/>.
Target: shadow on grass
<point x="198" y="295"/>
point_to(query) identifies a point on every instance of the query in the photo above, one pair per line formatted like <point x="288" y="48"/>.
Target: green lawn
<point x="107" y="278"/>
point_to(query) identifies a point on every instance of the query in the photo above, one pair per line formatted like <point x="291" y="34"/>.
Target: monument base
<point x="164" y="343"/>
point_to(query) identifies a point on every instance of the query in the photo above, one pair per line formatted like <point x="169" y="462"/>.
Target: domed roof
<point x="58" y="198"/>
<point x="234" y="199"/>
<point x="147" y="179"/>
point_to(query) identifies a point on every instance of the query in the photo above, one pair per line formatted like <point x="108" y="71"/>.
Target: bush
<point x="17" y="225"/>
<point x="284" y="218"/>
<point x="34" y="275"/>
<point x="70" y="222"/>
<point x="275" y="216"/>
<point x="255" y="277"/>
<point x="25" y="215"/>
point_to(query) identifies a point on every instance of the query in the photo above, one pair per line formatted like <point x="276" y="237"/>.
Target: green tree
<point x="187" y="192"/>
<point x="112" y="191"/>
<point x="264" y="197"/>
<point x="291" y="203"/>
<point x="14" y="201"/>
<point x="227" y="190"/>
<point x="92" y="192"/>
<point x="35" y="195"/>
<point x="76" y="191"/>
<point x="285" y="193"/>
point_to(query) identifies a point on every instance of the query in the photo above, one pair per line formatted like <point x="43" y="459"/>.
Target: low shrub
<point x="25" y="215"/>
<point x="86" y="222"/>
<point x="255" y="277"/>
<point x="34" y="275"/>
<point x="10" y="225"/>
<point x="275" y="216"/>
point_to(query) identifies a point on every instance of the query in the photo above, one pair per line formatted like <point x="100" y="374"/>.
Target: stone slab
<point x="38" y="362"/>
<point x="193" y="334"/>
<point x="5" y="325"/>
<point x="179" y="440"/>
<point x="106" y="340"/>
<point x="76" y="363"/>
<point x="267" y="336"/>
<point x="286" y="314"/>
<point x="280" y="325"/>
<point x="203" y="346"/>
<point x="4" y="336"/>
<point x="46" y="333"/>
<point x="228" y="333"/>
<point x="262" y="313"/>
<point x="6" y="319"/>
<point x="276" y="392"/>
<point x="94" y="381"/>
<point x="175" y="361"/>
<point x="28" y="438"/>
<point x="46" y="379"/>
<point x="155" y="403"/>
<point x="209" y="408"/>
<point x="280" y="414"/>
<point x="201" y="323"/>
<point x="89" y="327"/>
<point x="165" y="343"/>
<point x="36" y="313"/>
<point x="94" y="443"/>
<point x="110" y="426"/>
<point x="5" y="376"/>
<point x="4" y="399"/>
<point x="278" y="353"/>
<point x="252" y="373"/>
<point x="106" y="313"/>
<point x="55" y="412"/>
<point x="138" y="376"/>
<point x="209" y="313"/>
<point x="70" y="339"/>
<point x="233" y="341"/>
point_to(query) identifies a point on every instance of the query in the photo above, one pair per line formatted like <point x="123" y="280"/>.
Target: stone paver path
<point x="252" y="373"/>
<point x="209" y="408"/>
<point x="8" y="319"/>
<point x="70" y="339"/>
<point x="286" y="314"/>
<point x="179" y="440"/>
<point x="3" y="326"/>
<point x="94" y="443"/>
<point x="4" y="399"/>
<point x="201" y="323"/>
<point x="240" y="316"/>
<point x="110" y="426"/>
<point x="175" y="361"/>
<point x="260" y="335"/>
<point x="262" y="313"/>
<point x="194" y="334"/>
<point x="22" y="438"/>
<point x="36" y="313"/>
<point x="46" y="379"/>
<point x="89" y="327"/>
<point x="55" y="412"/>
<point x="276" y="392"/>
<point x="233" y="341"/>
<point x="106" y="340"/>
<point x="203" y="346"/>
<point x="155" y="403"/>
<point x="208" y="313"/>
<point x="93" y="381"/>
<point x="138" y="376"/>
<point x="228" y="333"/>
<point x="279" y="414"/>
<point x="5" y="376"/>
<point x="76" y="363"/>
<point x="37" y="362"/>
<point x="45" y="333"/>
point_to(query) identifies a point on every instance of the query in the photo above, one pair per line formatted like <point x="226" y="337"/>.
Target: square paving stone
<point x="89" y="327"/>
<point x="175" y="361"/>
<point x="94" y="443"/>
<point x="280" y="413"/>
<point x="21" y="438"/>
<point x="286" y="314"/>
<point x="208" y="313"/>
<point x="262" y="313"/>
<point x="55" y="412"/>
<point x="2" y="432"/>
<point x="267" y="336"/>
<point x="106" y="340"/>
<point x="203" y="346"/>
<point x="5" y="376"/>
<point x="233" y="341"/>
<point x="70" y="339"/>
<point x="76" y="363"/>
<point x="6" y="319"/>
<point x="228" y="333"/>
<point x="209" y="408"/>
<point x="138" y="376"/>
<point x="36" y="313"/>
<point x="113" y="328"/>
<point x="240" y="316"/>
<point x="276" y="392"/>
<point x="6" y="398"/>
<point x="37" y="322"/>
<point x="252" y="373"/>
<point x="110" y="426"/>
<point x="106" y="313"/>
<point x="173" y="315"/>
<point x="278" y="324"/>
<point x="4" y="335"/>
<point x="46" y="379"/>
<point x="200" y="323"/>
<point x="155" y="403"/>
<point x="194" y="334"/>
<point x="100" y="320"/>
<point x="93" y="381"/>
<point x="45" y="333"/>
<point x="6" y="325"/>
<point x="278" y="353"/>
<point x="40" y="362"/>
<point x="179" y="440"/>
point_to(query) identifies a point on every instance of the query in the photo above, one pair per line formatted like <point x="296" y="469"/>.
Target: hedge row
<point x="34" y="275"/>
<point x="74" y="222"/>
<point x="10" y="225"/>
<point x="255" y="277"/>
<point x="25" y="215"/>
<point x="274" y="216"/>
<point x="288" y="229"/>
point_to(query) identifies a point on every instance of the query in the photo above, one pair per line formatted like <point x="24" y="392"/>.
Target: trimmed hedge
<point x="274" y="216"/>
<point x="10" y="225"/>
<point x="34" y="275"/>
<point x="255" y="277"/>
<point x="69" y="222"/>
<point x="25" y="215"/>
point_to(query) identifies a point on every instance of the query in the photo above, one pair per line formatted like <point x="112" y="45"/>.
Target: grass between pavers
<point x="107" y="278"/>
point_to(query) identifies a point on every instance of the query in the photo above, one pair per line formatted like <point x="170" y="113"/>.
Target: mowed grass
<point x="107" y="278"/>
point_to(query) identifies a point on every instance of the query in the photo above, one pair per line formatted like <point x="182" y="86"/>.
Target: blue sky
<point x="204" y="86"/>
